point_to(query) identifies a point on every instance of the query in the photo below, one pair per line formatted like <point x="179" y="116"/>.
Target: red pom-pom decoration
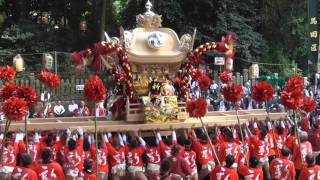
<point x="232" y="93"/>
<point x="197" y="108"/>
<point x="50" y="80"/>
<point x="54" y="81"/>
<point x="15" y="108"/>
<point x="94" y="90"/>
<point x="202" y="79"/>
<point x="204" y="82"/>
<point x="7" y="73"/>
<point x="44" y="76"/>
<point x="225" y="77"/>
<point x="294" y="83"/>
<point x="28" y="94"/>
<point x="262" y="92"/>
<point x="196" y="74"/>
<point x="293" y="99"/>
<point x="309" y="105"/>
<point x="7" y="91"/>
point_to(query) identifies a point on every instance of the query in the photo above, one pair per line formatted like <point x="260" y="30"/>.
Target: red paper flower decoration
<point x="292" y="99"/>
<point x="204" y="82"/>
<point x="309" y="105"/>
<point x="197" y="108"/>
<point x="15" y="108"/>
<point x="28" y="94"/>
<point x="44" y="76"/>
<point x="262" y="92"/>
<point x="94" y="90"/>
<point x="232" y="93"/>
<point x="225" y="77"/>
<point x="7" y="73"/>
<point x="7" y="91"/>
<point x="50" y="80"/>
<point x="54" y="81"/>
<point x="294" y="83"/>
<point x="196" y="74"/>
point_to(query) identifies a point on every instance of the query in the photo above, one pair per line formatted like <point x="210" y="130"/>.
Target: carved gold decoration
<point x="145" y="21"/>
<point x="186" y="42"/>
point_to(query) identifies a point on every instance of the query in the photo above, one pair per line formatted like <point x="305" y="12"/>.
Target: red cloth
<point x="40" y="113"/>
<point x="305" y="124"/>
<point x="282" y="168"/>
<point x="229" y="148"/>
<point x="259" y="147"/>
<point x="204" y="152"/>
<point x="9" y="155"/>
<point x="52" y="170"/>
<point x="190" y="157"/>
<point x="116" y="157"/>
<point x="280" y="142"/>
<point x="220" y="172"/>
<point x="179" y="166"/>
<point x="55" y="149"/>
<point x="34" y="151"/>
<point x="271" y="142"/>
<point x="166" y="150"/>
<point x="298" y="152"/>
<point x="310" y="173"/>
<point x="21" y="173"/>
<point x="291" y="141"/>
<point x="86" y="176"/>
<point x="102" y="112"/>
<point x="134" y="156"/>
<point x="87" y="154"/>
<point x="313" y="137"/>
<point x="73" y="159"/>
<point x="250" y="173"/>
<point x="103" y="166"/>
<point x="153" y="155"/>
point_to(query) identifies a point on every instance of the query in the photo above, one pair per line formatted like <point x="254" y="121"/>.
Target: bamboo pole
<point x="96" y="138"/>
<point x="26" y="132"/>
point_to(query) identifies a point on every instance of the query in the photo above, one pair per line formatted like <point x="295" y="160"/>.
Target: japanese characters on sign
<point x="313" y="31"/>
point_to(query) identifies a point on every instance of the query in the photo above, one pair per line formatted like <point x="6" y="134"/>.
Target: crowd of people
<point x="216" y="101"/>
<point x="262" y="150"/>
<point x="48" y="109"/>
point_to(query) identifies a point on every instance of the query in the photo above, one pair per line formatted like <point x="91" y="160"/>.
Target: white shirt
<point x="214" y="86"/>
<point x="222" y="107"/>
<point x="72" y="107"/>
<point x="58" y="109"/>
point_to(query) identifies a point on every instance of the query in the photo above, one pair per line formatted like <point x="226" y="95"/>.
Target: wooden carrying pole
<point x="96" y="140"/>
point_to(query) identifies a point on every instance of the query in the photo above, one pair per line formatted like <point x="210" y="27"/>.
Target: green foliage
<point x="262" y="35"/>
